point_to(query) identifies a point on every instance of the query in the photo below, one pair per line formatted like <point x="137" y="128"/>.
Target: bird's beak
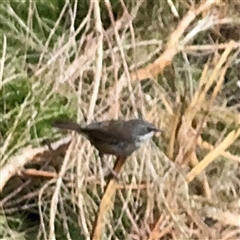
<point x="156" y="130"/>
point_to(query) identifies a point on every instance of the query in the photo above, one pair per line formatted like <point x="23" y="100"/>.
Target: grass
<point x="54" y="65"/>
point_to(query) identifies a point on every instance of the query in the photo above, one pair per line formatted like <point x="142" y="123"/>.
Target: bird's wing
<point x="109" y="131"/>
<point x="99" y="135"/>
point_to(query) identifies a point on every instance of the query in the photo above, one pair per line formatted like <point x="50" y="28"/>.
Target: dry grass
<point x="178" y="67"/>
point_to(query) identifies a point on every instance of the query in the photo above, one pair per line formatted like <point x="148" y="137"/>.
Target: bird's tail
<point x="67" y="124"/>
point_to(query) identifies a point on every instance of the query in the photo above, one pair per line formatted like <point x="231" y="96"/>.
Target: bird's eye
<point x="149" y="129"/>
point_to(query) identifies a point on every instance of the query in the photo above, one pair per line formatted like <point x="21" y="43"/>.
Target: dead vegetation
<point x="180" y="72"/>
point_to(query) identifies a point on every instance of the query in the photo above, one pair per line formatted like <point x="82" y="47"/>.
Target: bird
<point x="113" y="137"/>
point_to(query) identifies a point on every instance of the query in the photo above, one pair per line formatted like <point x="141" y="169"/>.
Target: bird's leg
<point x="113" y="173"/>
<point x="101" y="157"/>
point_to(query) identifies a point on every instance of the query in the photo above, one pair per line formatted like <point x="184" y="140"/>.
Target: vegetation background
<point x="89" y="60"/>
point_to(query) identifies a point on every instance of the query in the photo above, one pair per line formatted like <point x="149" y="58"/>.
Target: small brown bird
<point x="115" y="137"/>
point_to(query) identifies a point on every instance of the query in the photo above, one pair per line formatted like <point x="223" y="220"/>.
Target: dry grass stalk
<point x="160" y="182"/>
